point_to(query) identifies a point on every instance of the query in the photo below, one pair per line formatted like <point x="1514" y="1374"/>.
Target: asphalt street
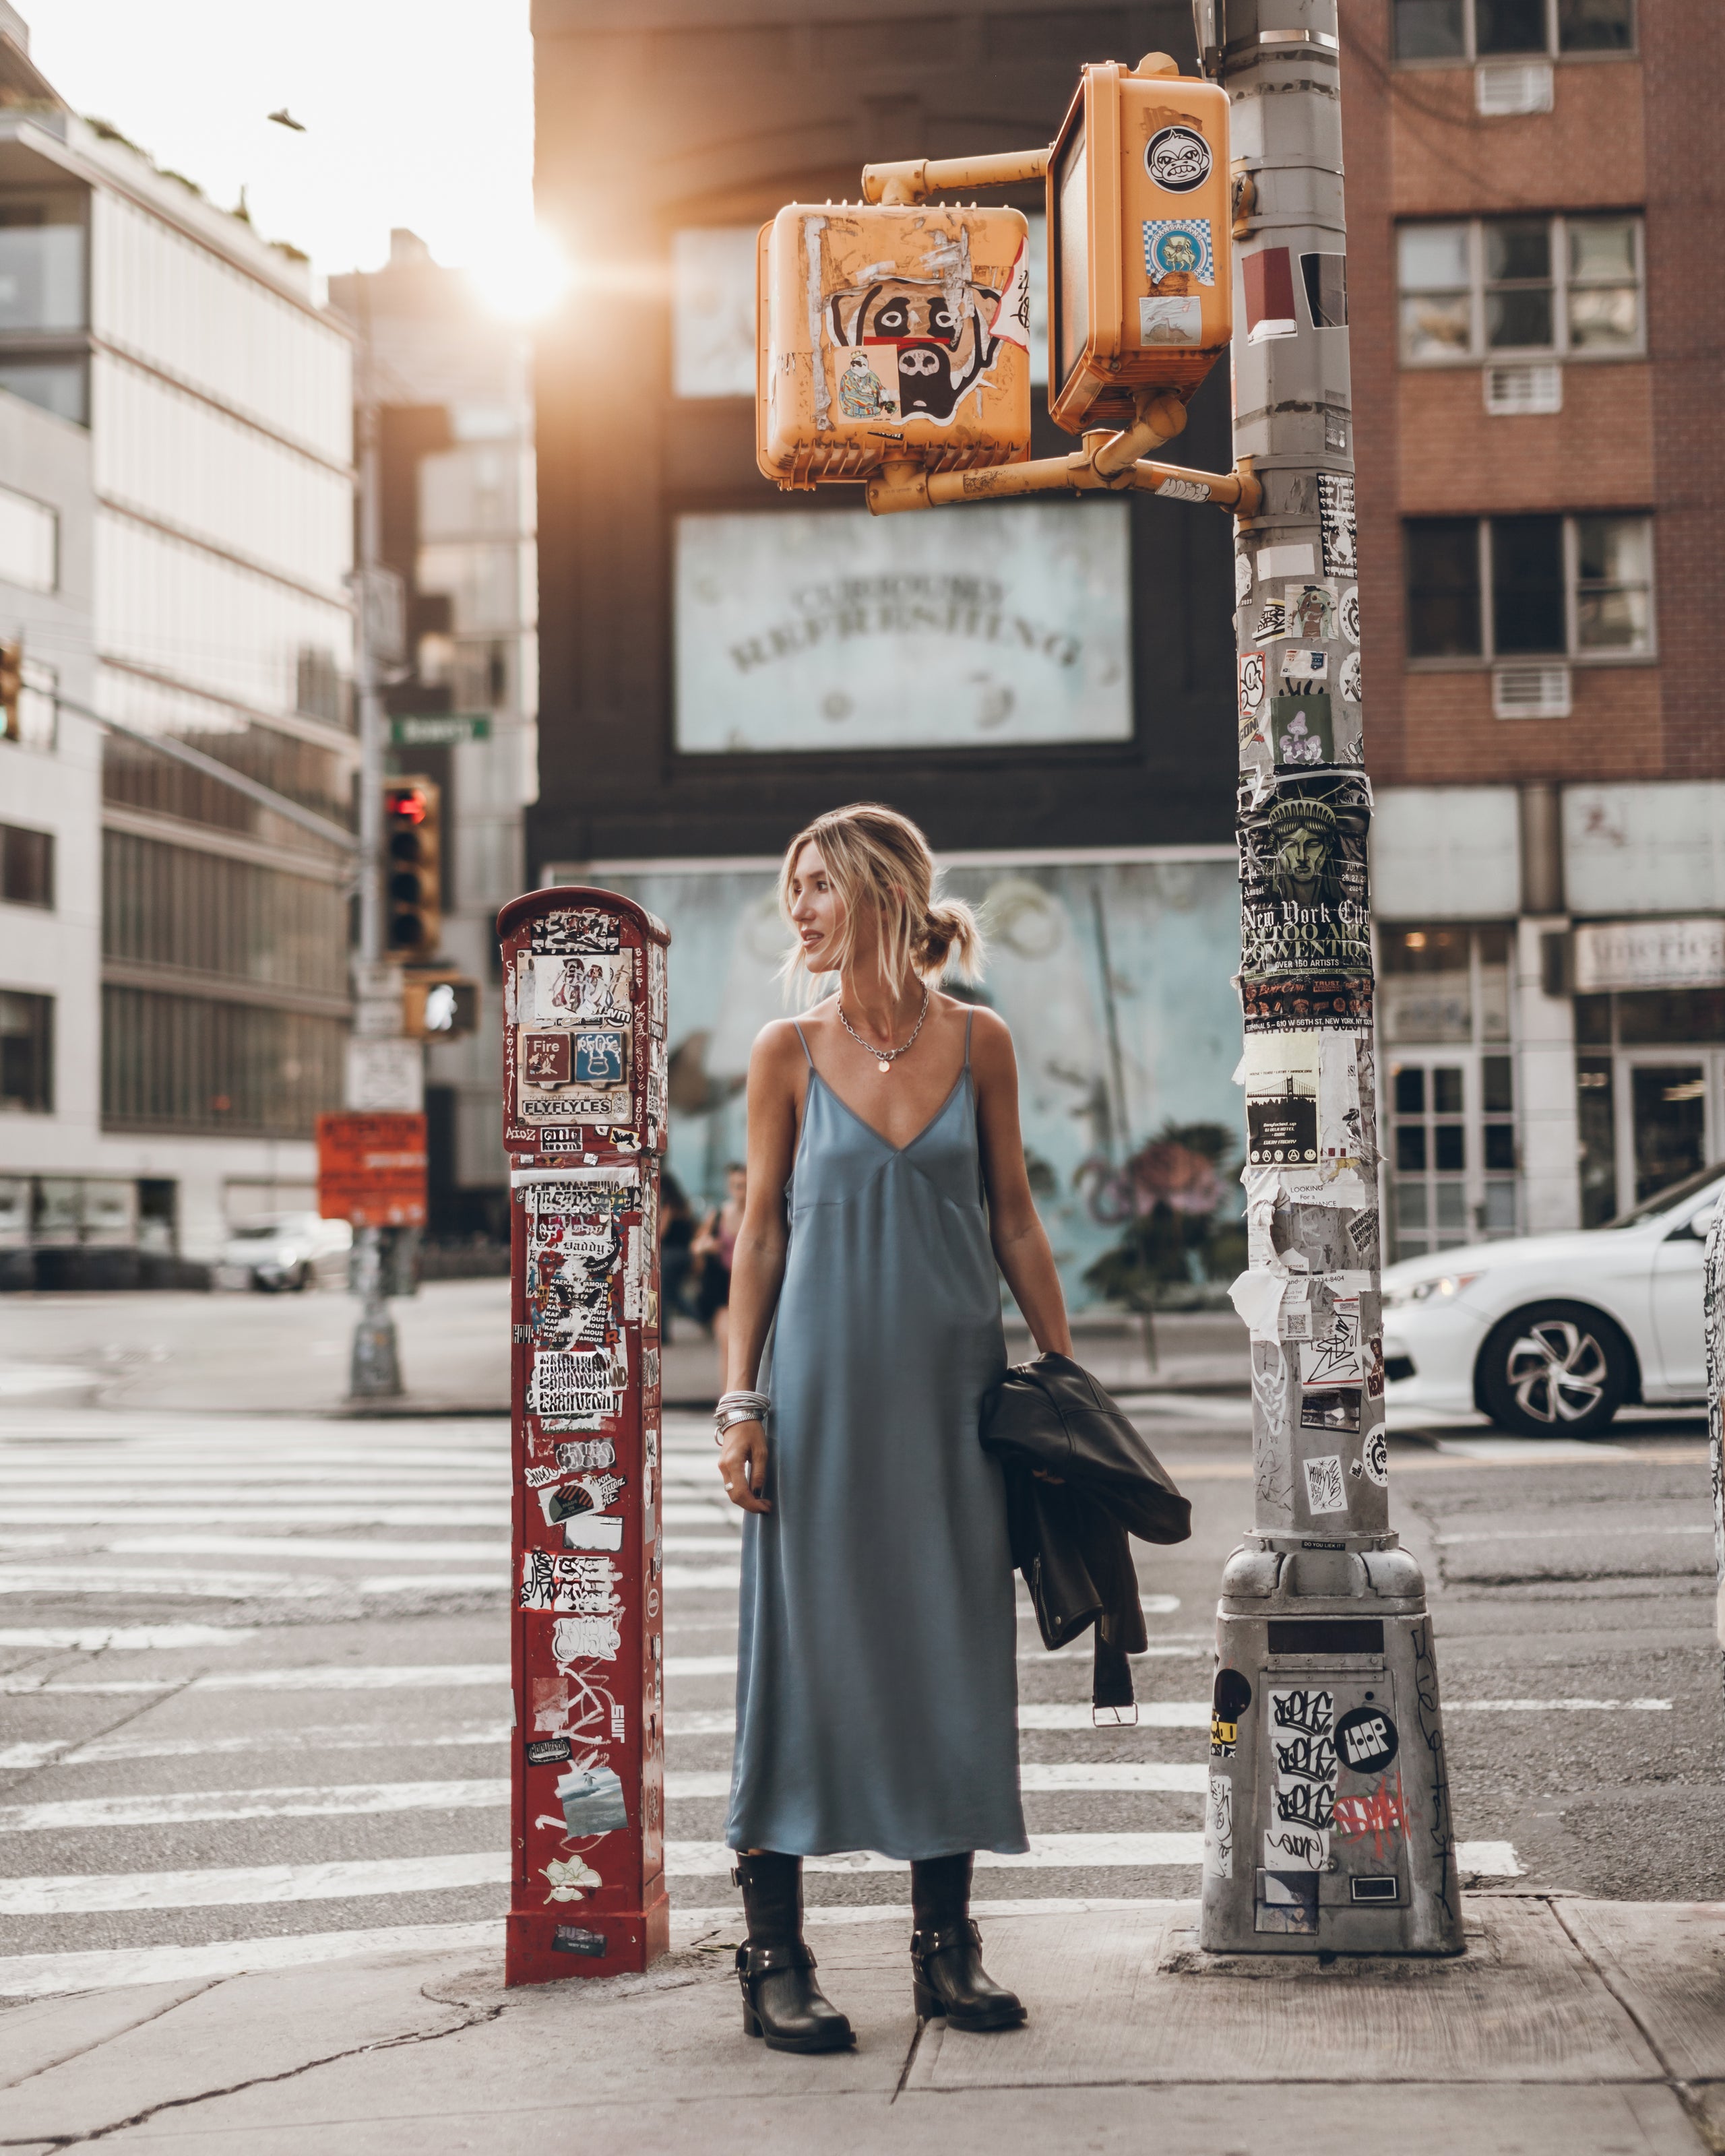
<point x="255" y="1696"/>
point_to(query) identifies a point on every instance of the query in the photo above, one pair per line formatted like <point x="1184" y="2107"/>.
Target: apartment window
<point x="26" y="865"/>
<point x="1475" y="289"/>
<point x="26" y="1052"/>
<point x="1462" y="30"/>
<point x="29" y="543"/>
<point x="42" y="261"/>
<point x="1512" y="587"/>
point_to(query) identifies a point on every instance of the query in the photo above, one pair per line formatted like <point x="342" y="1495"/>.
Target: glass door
<point x="1667" y="1116"/>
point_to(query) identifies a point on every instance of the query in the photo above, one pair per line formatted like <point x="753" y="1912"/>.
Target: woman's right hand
<point x="743" y="1466"/>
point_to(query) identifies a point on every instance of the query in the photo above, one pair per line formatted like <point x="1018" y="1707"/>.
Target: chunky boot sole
<point x="843" y="2038"/>
<point x="981" y="2022"/>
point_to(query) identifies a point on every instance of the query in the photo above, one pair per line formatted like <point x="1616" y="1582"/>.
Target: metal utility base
<point x="1327" y="1826"/>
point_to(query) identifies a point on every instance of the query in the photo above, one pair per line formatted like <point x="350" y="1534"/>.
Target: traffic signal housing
<point x="892" y="334"/>
<point x="411" y="868"/>
<point x="1140" y="224"/>
<point x="437" y="1006"/>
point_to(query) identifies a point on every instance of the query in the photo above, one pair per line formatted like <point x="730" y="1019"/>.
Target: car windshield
<point x="1668" y="1199"/>
<point x="260" y="1231"/>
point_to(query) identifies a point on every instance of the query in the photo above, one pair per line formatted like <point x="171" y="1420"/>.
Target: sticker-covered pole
<point x="1327" y="1826"/>
<point x="584" y="1018"/>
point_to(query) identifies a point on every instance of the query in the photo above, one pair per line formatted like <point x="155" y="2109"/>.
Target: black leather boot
<point x="946" y="1951"/>
<point x="781" y="2000"/>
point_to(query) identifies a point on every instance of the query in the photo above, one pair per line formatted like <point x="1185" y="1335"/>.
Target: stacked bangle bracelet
<point x="738" y="1407"/>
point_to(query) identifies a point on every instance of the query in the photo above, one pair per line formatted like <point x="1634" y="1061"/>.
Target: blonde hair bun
<point x="879" y="860"/>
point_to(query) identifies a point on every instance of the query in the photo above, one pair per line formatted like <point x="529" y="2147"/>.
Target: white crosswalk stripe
<point x="287" y="1513"/>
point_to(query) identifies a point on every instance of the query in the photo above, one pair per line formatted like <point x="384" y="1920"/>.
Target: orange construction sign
<point x="371" y="1170"/>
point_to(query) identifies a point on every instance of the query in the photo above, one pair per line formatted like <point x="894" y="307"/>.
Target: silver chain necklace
<point x="887" y="1057"/>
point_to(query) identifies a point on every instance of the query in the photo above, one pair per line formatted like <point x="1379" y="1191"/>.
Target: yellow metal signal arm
<point x="1107" y="463"/>
<point x="915" y="179"/>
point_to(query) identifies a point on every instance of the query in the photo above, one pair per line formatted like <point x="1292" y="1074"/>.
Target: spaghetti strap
<point x="809" y="1060"/>
<point x="969" y="1021"/>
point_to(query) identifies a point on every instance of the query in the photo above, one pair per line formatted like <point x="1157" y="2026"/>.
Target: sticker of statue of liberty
<point x="862" y="394"/>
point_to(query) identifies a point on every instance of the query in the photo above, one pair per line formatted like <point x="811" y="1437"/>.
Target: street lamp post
<point x="375" y="1364"/>
<point x="1327" y="1823"/>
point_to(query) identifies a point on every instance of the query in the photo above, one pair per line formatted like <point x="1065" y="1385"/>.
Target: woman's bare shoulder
<point x="777" y="1051"/>
<point x="990" y="1036"/>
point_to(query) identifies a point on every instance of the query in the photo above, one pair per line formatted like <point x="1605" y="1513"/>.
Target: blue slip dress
<point x="876" y="1668"/>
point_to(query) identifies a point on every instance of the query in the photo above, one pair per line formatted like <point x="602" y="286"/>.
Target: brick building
<point x="1538" y="341"/>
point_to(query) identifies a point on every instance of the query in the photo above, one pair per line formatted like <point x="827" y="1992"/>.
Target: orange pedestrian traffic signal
<point x="413" y="873"/>
<point x="892" y="334"/>
<point x="1140" y="283"/>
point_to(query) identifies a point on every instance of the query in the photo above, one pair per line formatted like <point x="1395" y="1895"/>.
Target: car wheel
<point x="1556" y="1370"/>
<point x="301" y="1280"/>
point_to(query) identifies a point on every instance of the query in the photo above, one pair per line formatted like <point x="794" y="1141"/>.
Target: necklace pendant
<point x="885" y="1068"/>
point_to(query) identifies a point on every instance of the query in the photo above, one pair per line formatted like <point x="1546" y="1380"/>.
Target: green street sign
<point x="439" y="729"/>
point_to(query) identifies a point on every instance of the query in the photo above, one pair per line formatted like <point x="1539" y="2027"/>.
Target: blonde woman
<point x="877" y="1694"/>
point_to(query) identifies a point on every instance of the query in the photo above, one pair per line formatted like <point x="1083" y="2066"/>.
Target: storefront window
<point x="1649" y="1093"/>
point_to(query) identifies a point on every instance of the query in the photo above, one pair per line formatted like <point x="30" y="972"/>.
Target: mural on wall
<point x="1115" y="979"/>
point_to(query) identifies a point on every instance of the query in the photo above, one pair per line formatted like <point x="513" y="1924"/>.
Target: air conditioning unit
<point x="1503" y="89"/>
<point x="1528" y="387"/>
<point x="1531" y="692"/>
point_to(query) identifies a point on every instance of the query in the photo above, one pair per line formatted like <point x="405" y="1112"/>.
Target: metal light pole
<point x="374" y="1367"/>
<point x="1327" y="1826"/>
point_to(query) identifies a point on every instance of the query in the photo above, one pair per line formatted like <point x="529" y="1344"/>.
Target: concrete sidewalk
<point x="1570" y="2026"/>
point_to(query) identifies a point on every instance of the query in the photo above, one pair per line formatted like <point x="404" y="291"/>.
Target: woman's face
<point x="736" y="1186"/>
<point x="815" y="912"/>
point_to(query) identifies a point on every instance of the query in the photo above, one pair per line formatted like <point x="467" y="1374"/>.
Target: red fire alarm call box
<point x="584" y="1056"/>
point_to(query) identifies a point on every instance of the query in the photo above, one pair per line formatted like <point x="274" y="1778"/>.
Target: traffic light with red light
<point x="411" y="871"/>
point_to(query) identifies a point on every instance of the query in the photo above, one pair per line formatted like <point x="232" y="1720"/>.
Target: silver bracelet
<point x="738" y="1407"/>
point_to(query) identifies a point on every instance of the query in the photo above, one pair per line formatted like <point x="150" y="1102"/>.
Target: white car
<point x="286" y="1251"/>
<point x="1550" y="1335"/>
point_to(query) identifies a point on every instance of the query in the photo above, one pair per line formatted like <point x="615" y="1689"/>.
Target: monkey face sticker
<point x="909" y="348"/>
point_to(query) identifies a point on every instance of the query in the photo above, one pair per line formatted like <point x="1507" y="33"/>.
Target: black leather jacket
<point x="1052" y="1419"/>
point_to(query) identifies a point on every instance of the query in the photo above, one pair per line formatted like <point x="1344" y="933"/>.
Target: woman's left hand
<point x="743" y="1466"/>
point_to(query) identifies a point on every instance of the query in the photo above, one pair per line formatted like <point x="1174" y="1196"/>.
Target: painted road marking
<point x="230" y="1885"/>
<point x="1565" y="1534"/>
<point x="343" y="1736"/>
<point x="79" y="1813"/>
<point x="1557" y="1705"/>
<point x="177" y="1807"/>
<point x="127" y="1639"/>
<point x="70" y="1582"/>
<point x="1170" y="1776"/>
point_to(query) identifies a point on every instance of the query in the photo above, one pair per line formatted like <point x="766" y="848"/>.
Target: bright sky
<point x="418" y="112"/>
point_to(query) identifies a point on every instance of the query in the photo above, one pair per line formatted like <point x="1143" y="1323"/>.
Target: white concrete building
<point x="174" y="397"/>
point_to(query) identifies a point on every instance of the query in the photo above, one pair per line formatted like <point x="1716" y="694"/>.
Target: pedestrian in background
<point x="676" y="1260"/>
<point x="715" y="1242"/>
<point x="877" y="1674"/>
